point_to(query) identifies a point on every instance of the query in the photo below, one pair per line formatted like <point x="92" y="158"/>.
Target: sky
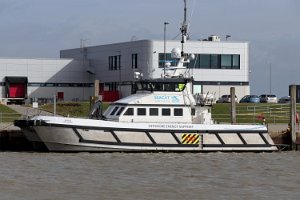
<point x="41" y="28"/>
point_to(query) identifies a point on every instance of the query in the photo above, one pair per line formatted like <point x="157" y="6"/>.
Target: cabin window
<point x="141" y="111"/>
<point x="114" y="110"/>
<point x="129" y="111"/>
<point x="120" y="111"/>
<point x="153" y="111"/>
<point x="193" y="112"/>
<point x="166" y="112"/>
<point x="178" y="112"/>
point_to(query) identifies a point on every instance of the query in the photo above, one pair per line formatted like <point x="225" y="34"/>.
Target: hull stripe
<point x="150" y="137"/>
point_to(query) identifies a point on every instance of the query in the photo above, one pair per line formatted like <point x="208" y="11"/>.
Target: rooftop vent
<point x="214" y="38"/>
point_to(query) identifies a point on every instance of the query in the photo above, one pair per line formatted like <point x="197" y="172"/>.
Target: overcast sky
<point x="40" y="28"/>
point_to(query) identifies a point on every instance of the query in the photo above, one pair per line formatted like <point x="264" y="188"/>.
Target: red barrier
<point x="110" y="96"/>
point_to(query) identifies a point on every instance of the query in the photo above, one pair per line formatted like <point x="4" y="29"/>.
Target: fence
<point x="272" y="113"/>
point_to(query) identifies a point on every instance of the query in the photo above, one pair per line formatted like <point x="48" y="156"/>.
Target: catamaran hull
<point x="78" y="138"/>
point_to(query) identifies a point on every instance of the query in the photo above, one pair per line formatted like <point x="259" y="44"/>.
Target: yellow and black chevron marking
<point x="190" y="138"/>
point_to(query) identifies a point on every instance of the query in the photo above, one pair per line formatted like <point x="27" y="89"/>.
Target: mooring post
<point x="96" y="88"/>
<point x="233" y="105"/>
<point x="54" y="105"/>
<point x="293" y="116"/>
<point x="95" y="97"/>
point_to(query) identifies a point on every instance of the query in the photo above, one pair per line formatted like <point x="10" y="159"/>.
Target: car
<point x="285" y="99"/>
<point x="268" y="98"/>
<point x="226" y="99"/>
<point x="250" y="99"/>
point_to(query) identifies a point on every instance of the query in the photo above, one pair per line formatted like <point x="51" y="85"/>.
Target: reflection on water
<point x="150" y="176"/>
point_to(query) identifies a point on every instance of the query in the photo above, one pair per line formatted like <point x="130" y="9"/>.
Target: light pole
<point x="165" y="56"/>
<point x="270" y="81"/>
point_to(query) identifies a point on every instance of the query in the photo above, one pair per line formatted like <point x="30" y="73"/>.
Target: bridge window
<point x="114" y="110"/>
<point x="141" y="111"/>
<point x="129" y="111"/>
<point x="166" y="112"/>
<point x="178" y="112"/>
<point x="153" y="111"/>
<point x="120" y="111"/>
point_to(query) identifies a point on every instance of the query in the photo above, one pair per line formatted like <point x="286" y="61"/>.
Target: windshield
<point x="157" y="86"/>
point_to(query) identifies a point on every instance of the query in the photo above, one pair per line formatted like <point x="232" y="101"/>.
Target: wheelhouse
<point x="161" y="85"/>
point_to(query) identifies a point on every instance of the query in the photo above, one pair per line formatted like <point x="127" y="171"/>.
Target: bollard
<point x="293" y="116"/>
<point x="233" y="105"/>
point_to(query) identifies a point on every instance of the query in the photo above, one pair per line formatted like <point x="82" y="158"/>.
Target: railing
<point x="275" y="113"/>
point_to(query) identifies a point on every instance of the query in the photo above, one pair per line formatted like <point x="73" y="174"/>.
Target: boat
<point x="162" y="115"/>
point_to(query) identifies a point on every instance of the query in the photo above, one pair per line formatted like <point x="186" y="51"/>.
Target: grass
<point x="253" y="113"/>
<point x="71" y="109"/>
<point x="246" y="112"/>
<point x="7" y="114"/>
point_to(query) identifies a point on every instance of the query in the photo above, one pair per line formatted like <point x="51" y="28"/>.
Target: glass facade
<point x="207" y="61"/>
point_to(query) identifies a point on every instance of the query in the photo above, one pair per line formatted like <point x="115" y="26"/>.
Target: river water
<point x="149" y="176"/>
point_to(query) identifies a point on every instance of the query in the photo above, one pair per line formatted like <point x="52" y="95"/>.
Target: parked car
<point x="268" y="98"/>
<point x="226" y="99"/>
<point x="286" y="99"/>
<point x="250" y="99"/>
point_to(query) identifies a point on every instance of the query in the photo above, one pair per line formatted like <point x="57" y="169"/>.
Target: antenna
<point x="183" y="29"/>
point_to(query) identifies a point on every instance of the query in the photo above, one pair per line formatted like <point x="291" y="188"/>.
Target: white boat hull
<point x="70" y="134"/>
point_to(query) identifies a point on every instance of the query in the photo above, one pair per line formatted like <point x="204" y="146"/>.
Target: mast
<point x="183" y="29"/>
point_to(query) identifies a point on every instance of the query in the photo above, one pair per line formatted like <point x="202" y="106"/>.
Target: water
<point x="150" y="176"/>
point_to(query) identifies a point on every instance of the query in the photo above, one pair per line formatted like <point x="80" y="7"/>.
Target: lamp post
<point x="165" y="56"/>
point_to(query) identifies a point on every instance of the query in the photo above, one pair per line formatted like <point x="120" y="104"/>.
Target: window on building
<point x="226" y="61"/>
<point x="114" y="62"/>
<point x="129" y="111"/>
<point x="134" y="61"/>
<point x="178" y="112"/>
<point x="141" y="111"/>
<point x="153" y="111"/>
<point x="214" y="61"/>
<point x="166" y="111"/>
<point x="194" y="63"/>
<point x="204" y="60"/>
<point x="236" y="61"/>
<point x="161" y="60"/>
<point x="112" y="86"/>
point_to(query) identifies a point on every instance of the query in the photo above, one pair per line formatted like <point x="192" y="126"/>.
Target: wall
<point x="46" y="77"/>
<point x="148" y="60"/>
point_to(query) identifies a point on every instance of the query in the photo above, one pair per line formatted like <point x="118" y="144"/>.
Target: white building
<point x="65" y="78"/>
<point x="217" y="67"/>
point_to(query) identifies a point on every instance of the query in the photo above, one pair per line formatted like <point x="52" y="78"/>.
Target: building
<point x="217" y="66"/>
<point x="44" y="78"/>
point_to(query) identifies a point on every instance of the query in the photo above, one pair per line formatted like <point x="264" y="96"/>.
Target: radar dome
<point x="176" y="53"/>
<point x="192" y="56"/>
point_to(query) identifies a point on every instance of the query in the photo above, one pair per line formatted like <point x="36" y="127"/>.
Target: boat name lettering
<point x="170" y="126"/>
<point x="68" y="121"/>
<point x="167" y="99"/>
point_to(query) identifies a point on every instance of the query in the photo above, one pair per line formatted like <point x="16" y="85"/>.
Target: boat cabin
<point x="158" y="101"/>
